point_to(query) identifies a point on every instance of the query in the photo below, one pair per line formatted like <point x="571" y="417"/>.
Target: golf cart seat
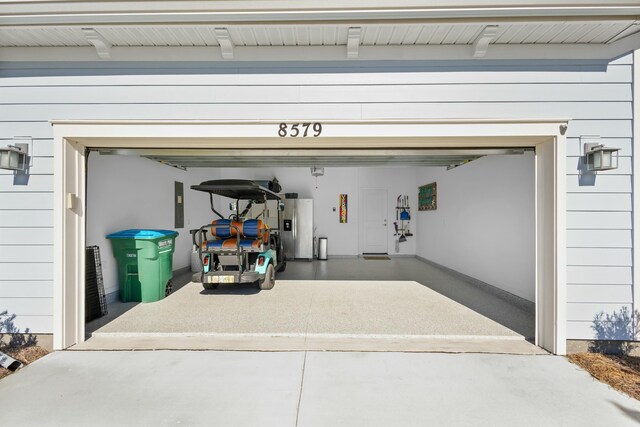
<point x="232" y="243"/>
<point x="225" y="228"/>
<point x="253" y="235"/>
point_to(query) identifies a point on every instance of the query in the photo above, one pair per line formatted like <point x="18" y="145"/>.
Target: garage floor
<point x="341" y="304"/>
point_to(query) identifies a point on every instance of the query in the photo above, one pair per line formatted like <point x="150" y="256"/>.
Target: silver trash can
<point x="323" y="244"/>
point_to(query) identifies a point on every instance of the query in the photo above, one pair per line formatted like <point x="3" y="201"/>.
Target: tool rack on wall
<point x="403" y="218"/>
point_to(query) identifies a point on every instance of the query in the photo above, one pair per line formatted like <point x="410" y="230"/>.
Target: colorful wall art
<point x="343" y="209"/>
<point x="428" y="197"/>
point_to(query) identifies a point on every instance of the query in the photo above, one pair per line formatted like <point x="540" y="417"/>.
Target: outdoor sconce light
<point x="14" y="157"/>
<point x="597" y="157"/>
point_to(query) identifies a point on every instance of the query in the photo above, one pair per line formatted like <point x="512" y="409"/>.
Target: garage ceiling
<point x="321" y="158"/>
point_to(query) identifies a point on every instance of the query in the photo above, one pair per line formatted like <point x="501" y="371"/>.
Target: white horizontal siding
<point x="26" y="289"/>
<point x="33" y="128"/>
<point x="599" y="239"/>
<point x="600" y="184"/>
<point x="36" y="183"/>
<point x="588" y="311"/>
<point x="597" y="100"/>
<point x="43" y="147"/>
<point x="585" y="220"/>
<point x="41" y="324"/>
<point x="185" y="111"/>
<point x="620" y="257"/>
<point x="26" y="254"/>
<point x="611" y="294"/>
<point x="583" y="330"/>
<point x="598" y="202"/>
<point x="464" y="93"/>
<point x="25" y="200"/>
<point x="28" y="306"/>
<point x="26" y="236"/>
<point x="599" y="275"/>
<point x="469" y="110"/>
<point x="607" y="128"/>
<point x="34" y="270"/>
<point x="22" y="217"/>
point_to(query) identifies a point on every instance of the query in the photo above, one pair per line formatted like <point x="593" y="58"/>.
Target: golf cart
<point x="240" y="249"/>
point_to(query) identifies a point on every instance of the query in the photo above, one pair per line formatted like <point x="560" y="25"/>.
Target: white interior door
<point x="374" y="220"/>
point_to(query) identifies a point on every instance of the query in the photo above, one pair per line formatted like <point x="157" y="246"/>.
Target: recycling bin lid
<point x="137" y="233"/>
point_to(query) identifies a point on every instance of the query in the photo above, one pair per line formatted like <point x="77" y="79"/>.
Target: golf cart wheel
<point x="283" y="267"/>
<point x="269" y="279"/>
<point x="168" y="288"/>
<point x="210" y="286"/>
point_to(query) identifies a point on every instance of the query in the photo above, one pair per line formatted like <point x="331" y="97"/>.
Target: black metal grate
<point x="95" y="300"/>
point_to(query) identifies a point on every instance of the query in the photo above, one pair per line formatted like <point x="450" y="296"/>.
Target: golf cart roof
<point x="239" y="189"/>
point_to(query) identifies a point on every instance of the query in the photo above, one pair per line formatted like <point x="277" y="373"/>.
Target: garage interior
<point x="464" y="271"/>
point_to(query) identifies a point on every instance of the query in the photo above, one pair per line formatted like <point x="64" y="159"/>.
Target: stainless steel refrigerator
<point x="297" y="228"/>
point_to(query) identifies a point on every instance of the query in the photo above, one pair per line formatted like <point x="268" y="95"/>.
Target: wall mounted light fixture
<point x="14" y="157"/>
<point x="316" y="172"/>
<point x="597" y="157"/>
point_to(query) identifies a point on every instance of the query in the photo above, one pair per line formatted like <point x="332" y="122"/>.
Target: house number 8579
<point x="300" y="129"/>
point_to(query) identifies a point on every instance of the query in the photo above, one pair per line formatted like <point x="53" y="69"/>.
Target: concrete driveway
<point x="140" y="388"/>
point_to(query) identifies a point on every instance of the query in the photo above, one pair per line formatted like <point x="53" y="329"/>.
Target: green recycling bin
<point x="145" y="263"/>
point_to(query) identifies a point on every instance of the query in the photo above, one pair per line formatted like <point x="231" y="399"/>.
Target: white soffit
<point x="317" y="30"/>
<point x="538" y="33"/>
<point x="563" y="40"/>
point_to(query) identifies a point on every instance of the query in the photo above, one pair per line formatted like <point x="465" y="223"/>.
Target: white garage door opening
<point x="395" y="161"/>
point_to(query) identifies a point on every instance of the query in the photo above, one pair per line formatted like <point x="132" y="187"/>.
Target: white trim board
<point x="47" y="12"/>
<point x="72" y="138"/>
<point x="604" y="52"/>
<point x="636" y="186"/>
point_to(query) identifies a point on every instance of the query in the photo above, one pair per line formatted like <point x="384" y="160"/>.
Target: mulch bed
<point x="25" y="355"/>
<point x="620" y="372"/>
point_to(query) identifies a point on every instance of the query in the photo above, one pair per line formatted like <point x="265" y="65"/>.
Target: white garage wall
<point x="343" y="238"/>
<point x="596" y="99"/>
<point x="484" y="225"/>
<point x="132" y="192"/>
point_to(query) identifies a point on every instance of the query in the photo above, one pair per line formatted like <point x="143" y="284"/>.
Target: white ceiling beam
<point x="481" y="43"/>
<point x="102" y="45"/>
<point x="353" y="42"/>
<point x="226" y="44"/>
